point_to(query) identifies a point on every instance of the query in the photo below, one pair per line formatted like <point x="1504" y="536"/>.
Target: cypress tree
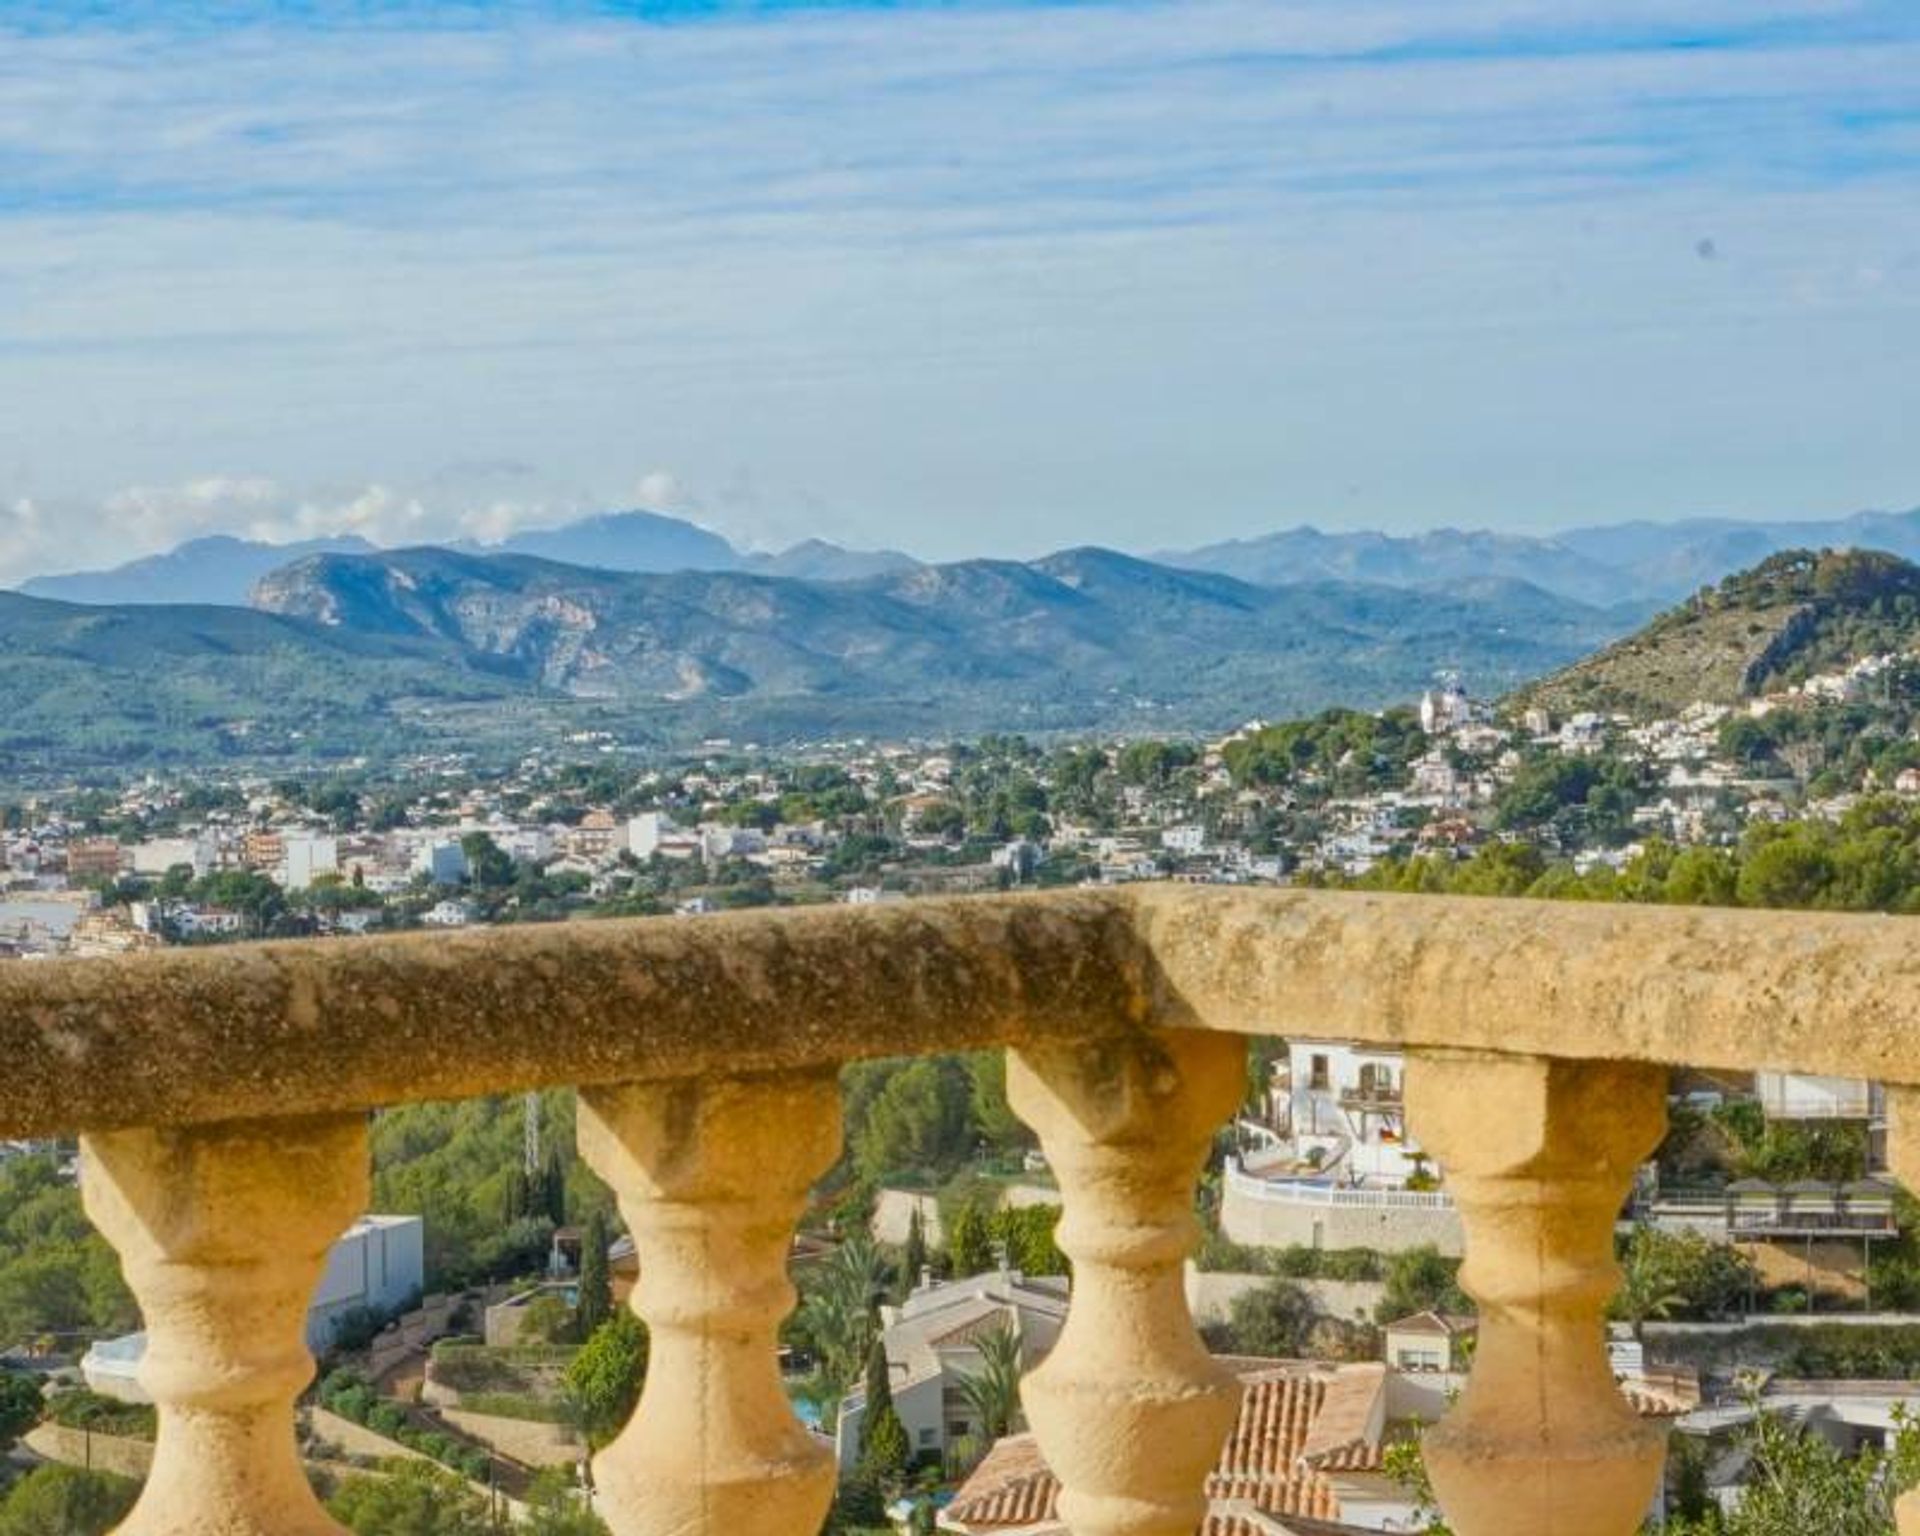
<point x="915" y="1259"/>
<point x="879" y="1392"/>
<point x="886" y="1455"/>
<point x="553" y="1188"/>
<point x="596" y="1280"/>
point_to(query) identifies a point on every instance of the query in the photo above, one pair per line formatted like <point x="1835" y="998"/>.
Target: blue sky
<point x="957" y="278"/>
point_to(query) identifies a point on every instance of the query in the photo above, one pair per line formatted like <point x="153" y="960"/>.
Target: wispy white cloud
<point x="480" y="503"/>
<point x="972" y="276"/>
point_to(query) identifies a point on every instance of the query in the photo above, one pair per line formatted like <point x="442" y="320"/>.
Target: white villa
<point x="933" y="1344"/>
<point x="1337" y="1169"/>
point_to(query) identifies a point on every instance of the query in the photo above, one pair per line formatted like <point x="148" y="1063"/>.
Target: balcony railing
<point x="222" y="1095"/>
<point x="1303" y="1191"/>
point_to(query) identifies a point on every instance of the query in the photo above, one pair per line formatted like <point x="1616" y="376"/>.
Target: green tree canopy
<point x="604" y="1380"/>
<point x="1422" y="1280"/>
<point x="1273" y="1321"/>
<point x="56" y="1500"/>
<point x="20" y="1407"/>
<point x="412" y="1498"/>
<point x="970" y="1241"/>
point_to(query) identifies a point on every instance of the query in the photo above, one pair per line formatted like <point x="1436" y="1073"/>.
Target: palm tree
<point x="1646" y="1284"/>
<point x="841" y="1310"/>
<point x="993" y="1392"/>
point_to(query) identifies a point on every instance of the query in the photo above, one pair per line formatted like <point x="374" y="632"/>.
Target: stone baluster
<point x="1903" y="1158"/>
<point x="712" y="1176"/>
<point x="1539" y="1156"/>
<point x="1129" y="1409"/>
<point x="223" y="1231"/>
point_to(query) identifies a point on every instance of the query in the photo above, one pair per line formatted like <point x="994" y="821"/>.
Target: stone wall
<point x="431" y="1320"/>
<point x="523" y="1440"/>
<point x="103" y="1453"/>
<point x="1246" y="1218"/>
<point x="357" y="1439"/>
<point x="1211" y="1294"/>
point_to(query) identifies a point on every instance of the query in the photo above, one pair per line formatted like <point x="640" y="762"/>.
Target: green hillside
<point x="1793" y="615"/>
<point x="148" y="684"/>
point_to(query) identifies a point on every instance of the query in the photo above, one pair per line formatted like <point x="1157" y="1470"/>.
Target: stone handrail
<point x="222" y="1095"/>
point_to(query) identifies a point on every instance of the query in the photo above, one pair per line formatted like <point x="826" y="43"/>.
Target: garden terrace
<point x="221" y="1098"/>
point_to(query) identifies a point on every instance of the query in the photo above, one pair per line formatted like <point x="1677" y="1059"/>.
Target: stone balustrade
<point x="221" y="1098"/>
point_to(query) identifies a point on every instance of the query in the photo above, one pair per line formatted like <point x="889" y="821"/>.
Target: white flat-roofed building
<point x="305" y="857"/>
<point x="379" y="1264"/>
<point x="158" y="855"/>
<point x="1802" y="1096"/>
<point x="442" y="862"/>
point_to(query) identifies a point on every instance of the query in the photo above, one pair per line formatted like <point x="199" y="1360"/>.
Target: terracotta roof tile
<point x="1261" y="1471"/>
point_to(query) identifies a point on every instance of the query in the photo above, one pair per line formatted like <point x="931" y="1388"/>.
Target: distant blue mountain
<point x="224" y="570"/>
<point x="1636" y="565"/>
<point x="817" y="560"/>
<point x="633" y="541"/>
<point x="217" y="569"/>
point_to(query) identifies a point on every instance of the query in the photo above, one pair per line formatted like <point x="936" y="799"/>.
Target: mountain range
<point x="223" y="569"/>
<point x="1084" y="635"/>
<point x="415" y="650"/>
<point x="1648" y="564"/>
<point x="341" y="648"/>
<point x="1637" y="567"/>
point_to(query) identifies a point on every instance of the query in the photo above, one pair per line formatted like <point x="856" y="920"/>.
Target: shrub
<point x="81" y="1409"/>
<point x="515" y="1405"/>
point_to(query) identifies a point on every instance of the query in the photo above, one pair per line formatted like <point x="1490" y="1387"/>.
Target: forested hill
<point x="136" y="684"/>
<point x="1792" y="616"/>
<point x="1085" y="638"/>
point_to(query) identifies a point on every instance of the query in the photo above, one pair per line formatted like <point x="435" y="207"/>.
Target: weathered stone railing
<point x="221" y="1096"/>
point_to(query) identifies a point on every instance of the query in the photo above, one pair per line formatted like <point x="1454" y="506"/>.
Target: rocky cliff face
<point x="1090" y="629"/>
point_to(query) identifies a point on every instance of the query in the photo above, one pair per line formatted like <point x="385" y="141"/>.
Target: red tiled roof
<point x="1262" y="1467"/>
<point x="1012" y="1486"/>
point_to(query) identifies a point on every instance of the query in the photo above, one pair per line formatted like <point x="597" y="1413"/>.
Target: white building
<point x="1346" y="1112"/>
<point x="1020" y="857"/>
<point x="442" y="862"/>
<point x="724" y="842"/>
<point x="304" y="857"/>
<point x="448" y="914"/>
<point x="525" y="845"/>
<point x="1341" y="1172"/>
<point x="158" y="855"/>
<point x="933" y="1342"/>
<point x="378" y="1265"/>
<point x="196" y="922"/>
<point x="655" y="832"/>
<point x="1801" y="1096"/>
<point x="872" y="896"/>
<point x="1189" y="840"/>
<point x="1444" y="709"/>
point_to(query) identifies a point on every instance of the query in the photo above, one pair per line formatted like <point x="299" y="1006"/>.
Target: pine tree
<point x="596" y="1280"/>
